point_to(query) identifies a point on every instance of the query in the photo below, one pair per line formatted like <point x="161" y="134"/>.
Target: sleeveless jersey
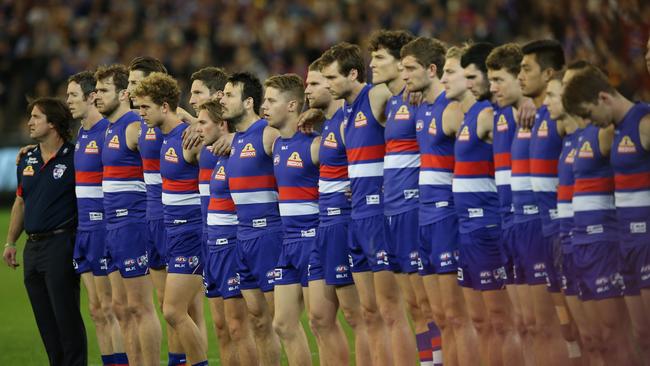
<point x="221" y="216"/>
<point x="523" y="198"/>
<point x="631" y="164"/>
<point x="252" y="184"/>
<point x="566" y="182"/>
<point x="207" y="161"/>
<point x="593" y="192"/>
<point x="402" y="160"/>
<point x="180" y="188"/>
<point x="545" y="148"/>
<point x="297" y="178"/>
<point x="149" y="144"/>
<point x="503" y="133"/>
<point x="125" y="197"/>
<point x="437" y="162"/>
<point x="364" y="144"/>
<point x="475" y="191"/>
<point x="88" y="170"/>
<point x="333" y="182"/>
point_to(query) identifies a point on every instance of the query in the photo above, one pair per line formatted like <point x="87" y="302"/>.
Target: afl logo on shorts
<point x="143" y="261"/>
<point x="248" y="151"/>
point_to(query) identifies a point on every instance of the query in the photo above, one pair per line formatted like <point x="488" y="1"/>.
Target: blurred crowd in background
<point x="42" y="42"/>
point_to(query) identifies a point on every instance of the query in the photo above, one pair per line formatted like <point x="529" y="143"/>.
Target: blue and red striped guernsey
<point x="503" y="133"/>
<point x="475" y="191"/>
<point x="149" y="144"/>
<point x="566" y="182"/>
<point x="88" y="170"/>
<point x="402" y="160"/>
<point x="180" y="187"/>
<point x="545" y="148"/>
<point x="365" y="147"/>
<point x="297" y="178"/>
<point x="593" y="192"/>
<point x="125" y="198"/>
<point x="631" y="164"/>
<point x="523" y="198"/>
<point x="207" y="162"/>
<point x="437" y="162"/>
<point x="333" y="182"/>
<point x="252" y="184"/>
<point x="221" y="217"/>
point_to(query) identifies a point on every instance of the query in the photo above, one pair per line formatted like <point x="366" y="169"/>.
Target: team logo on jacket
<point x="402" y="113"/>
<point x="28" y="171"/>
<point x="248" y="151"/>
<point x="58" y="171"/>
<point x="626" y="146"/>
<point x="221" y="174"/>
<point x="464" y="134"/>
<point x="523" y="133"/>
<point x="330" y="141"/>
<point x="151" y="134"/>
<point x="171" y="155"/>
<point x="92" y="148"/>
<point x="571" y="156"/>
<point x="586" y="151"/>
<point x="360" y="120"/>
<point x="114" y="143"/>
<point x="294" y="160"/>
<point x="543" y="129"/>
<point x="502" y="124"/>
<point x="433" y="129"/>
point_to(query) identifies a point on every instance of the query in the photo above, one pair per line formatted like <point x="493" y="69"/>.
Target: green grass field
<point x="20" y="343"/>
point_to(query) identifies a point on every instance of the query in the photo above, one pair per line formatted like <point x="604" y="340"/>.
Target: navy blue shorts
<point x="126" y="248"/>
<point x="439" y="247"/>
<point x="157" y="244"/>
<point x="185" y="250"/>
<point x="293" y="262"/>
<point x="514" y="272"/>
<point x="89" y="250"/>
<point x="403" y="240"/>
<point x="533" y="253"/>
<point x="368" y="247"/>
<point x="330" y="256"/>
<point x="481" y="261"/>
<point x="257" y="259"/>
<point x="636" y="267"/>
<point x="598" y="270"/>
<point x="220" y="271"/>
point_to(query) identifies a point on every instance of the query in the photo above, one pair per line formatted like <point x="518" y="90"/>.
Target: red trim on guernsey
<point x="564" y="193"/>
<point x="298" y="193"/>
<point x="632" y="181"/>
<point x="151" y="164"/>
<point x="221" y="204"/>
<point x="543" y="167"/>
<point x="437" y="161"/>
<point x="333" y="172"/>
<point x="366" y="153"/>
<point x="502" y="160"/>
<point x="88" y="177"/>
<point x="116" y="172"/>
<point x="19" y="190"/>
<point x="405" y="145"/>
<point x="520" y="167"/>
<point x="252" y="182"/>
<point x="469" y="168"/>
<point x="181" y="185"/>
<point x="204" y="175"/>
<point x="594" y="185"/>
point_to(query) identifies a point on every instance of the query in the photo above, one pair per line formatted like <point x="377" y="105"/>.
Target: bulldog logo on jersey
<point x="28" y="171"/>
<point x="221" y="174"/>
<point x="523" y="133"/>
<point x="114" y="143"/>
<point x="58" y="171"/>
<point x="248" y="151"/>
<point x="543" y="129"/>
<point x="294" y="160"/>
<point x="570" y="158"/>
<point x="586" y="151"/>
<point x="360" y="120"/>
<point x="330" y="141"/>
<point x="402" y="113"/>
<point x="92" y="148"/>
<point x="419" y="125"/>
<point x="151" y="134"/>
<point x="433" y="129"/>
<point x="502" y="124"/>
<point x="171" y="155"/>
<point x="464" y="134"/>
<point x="626" y="146"/>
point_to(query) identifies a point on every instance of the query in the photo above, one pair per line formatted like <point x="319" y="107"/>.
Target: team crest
<point x="586" y="151"/>
<point x="221" y="174"/>
<point x="28" y="171"/>
<point x="248" y="151"/>
<point x="58" y="171"/>
<point x="543" y="129"/>
<point x="502" y="124"/>
<point x="626" y="146"/>
<point x="76" y="146"/>
<point x="523" y="133"/>
<point x="294" y="160"/>
<point x="419" y="125"/>
<point x="570" y="156"/>
<point x="92" y="148"/>
<point x="151" y="134"/>
<point x="171" y="155"/>
<point x="464" y="134"/>
<point x="402" y="113"/>
<point x="360" y="120"/>
<point x="433" y="129"/>
<point x="330" y="141"/>
<point x="276" y="159"/>
<point x="114" y="143"/>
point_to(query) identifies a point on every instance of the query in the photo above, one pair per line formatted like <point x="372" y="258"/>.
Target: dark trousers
<point x="53" y="289"/>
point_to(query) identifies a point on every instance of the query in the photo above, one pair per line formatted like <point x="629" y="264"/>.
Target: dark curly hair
<point x="57" y="113"/>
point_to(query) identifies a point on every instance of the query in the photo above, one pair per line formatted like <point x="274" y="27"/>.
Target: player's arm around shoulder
<point x="379" y="96"/>
<point x="133" y="131"/>
<point x="452" y="117"/>
<point x="315" y="149"/>
<point x="269" y="136"/>
<point x="606" y="139"/>
<point x="644" y="132"/>
<point x="485" y="125"/>
<point x="191" y="155"/>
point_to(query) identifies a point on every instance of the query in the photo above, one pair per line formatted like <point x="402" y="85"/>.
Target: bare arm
<point x="485" y="124"/>
<point x="15" y="229"/>
<point x="315" y="149"/>
<point x="133" y="132"/>
<point x="452" y="117"/>
<point x="268" y="138"/>
<point x="644" y="132"/>
<point x="379" y="96"/>
<point x="605" y="139"/>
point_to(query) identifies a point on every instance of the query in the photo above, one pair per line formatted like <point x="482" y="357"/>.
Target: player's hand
<point x="414" y="98"/>
<point x="223" y="145"/>
<point x="526" y="114"/>
<point x="23" y="150"/>
<point x="185" y="115"/>
<point x="309" y="119"/>
<point x="9" y="256"/>
<point x="191" y="138"/>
